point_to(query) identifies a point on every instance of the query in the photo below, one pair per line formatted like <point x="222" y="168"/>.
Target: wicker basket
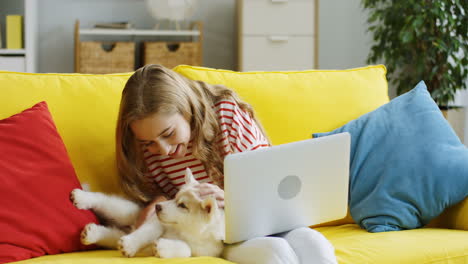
<point x="171" y="54"/>
<point x="102" y="57"/>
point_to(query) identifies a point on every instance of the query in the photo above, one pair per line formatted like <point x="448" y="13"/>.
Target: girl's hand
<point x="148" y="211"/>
<point x="207" y="189"/>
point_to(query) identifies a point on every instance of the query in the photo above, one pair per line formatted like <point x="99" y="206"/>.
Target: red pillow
<point x="36" y="177"/>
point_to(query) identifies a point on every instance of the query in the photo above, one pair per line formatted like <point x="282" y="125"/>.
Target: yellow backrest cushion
<point x="293" y="105"/>
<point x="84" y="109"/>
<point x="455" y="217"/>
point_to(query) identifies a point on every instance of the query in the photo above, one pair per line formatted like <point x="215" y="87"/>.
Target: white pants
<point x="299" y="246"/>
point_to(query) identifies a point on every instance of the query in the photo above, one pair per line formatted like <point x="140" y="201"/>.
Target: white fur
<point x="174" y="232"/>
<point x="102" y="235"/>
<point x="198" y="227"/>
<point x="122" y="215"/>
<point x="171" y="248"/>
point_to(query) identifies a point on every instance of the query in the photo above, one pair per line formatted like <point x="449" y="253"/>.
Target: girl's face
<point x="163" y="134"/>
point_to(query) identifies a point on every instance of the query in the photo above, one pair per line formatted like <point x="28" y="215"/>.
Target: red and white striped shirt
<point x="239" y="133"/>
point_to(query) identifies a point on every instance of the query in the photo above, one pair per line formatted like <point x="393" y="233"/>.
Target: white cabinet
<point x="20" y="60"/>
<point x="277" y="35"/>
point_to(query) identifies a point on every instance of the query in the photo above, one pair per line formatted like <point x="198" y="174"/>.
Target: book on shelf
<point x="14" y="32"/>
<point x="114" y="25"/>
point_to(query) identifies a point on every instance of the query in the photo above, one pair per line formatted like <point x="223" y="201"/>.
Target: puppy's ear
<point x="209" y="205"/>
<point x="189" y="179"/>
<point x="213" y="224"/>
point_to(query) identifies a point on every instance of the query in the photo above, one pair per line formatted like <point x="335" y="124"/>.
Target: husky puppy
<point x="192" y="226"/>
<point x="182" y="227"/>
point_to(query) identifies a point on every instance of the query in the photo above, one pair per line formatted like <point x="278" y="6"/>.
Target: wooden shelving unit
<point x="195" y="34"/>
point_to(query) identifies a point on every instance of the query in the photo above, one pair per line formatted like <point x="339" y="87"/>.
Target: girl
<point x="167" y="123"/>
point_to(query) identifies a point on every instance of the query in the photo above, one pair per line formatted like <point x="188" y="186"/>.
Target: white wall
<point x="344" y="41"/>
<point x="57" y="19"/>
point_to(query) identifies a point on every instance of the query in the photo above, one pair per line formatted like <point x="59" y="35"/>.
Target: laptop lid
<point x="277" y="189"/>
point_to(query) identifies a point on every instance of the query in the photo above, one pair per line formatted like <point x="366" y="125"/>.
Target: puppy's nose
<point x="158" y="208"/>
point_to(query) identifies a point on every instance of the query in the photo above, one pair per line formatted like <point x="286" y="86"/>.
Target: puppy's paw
<point x="155" y="250"/>
<point x="127" y="247"/>
<point x="168" y="248"/>
<point x="90" y="234"/>
<point x="79" y="199"/>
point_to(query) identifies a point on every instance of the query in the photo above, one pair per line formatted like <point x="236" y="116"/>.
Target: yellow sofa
<point x="291" y="105"/>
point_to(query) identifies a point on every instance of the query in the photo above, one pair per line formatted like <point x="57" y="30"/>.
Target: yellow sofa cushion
<point x="84" y="108"/>
<point x="352" y="245"/>
<point x="293" y="105"/>
<point x="423" y="246"/>
<point x="115" y="257"/>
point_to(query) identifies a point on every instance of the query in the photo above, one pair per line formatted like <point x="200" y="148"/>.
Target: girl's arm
<point x="240" y="131"/>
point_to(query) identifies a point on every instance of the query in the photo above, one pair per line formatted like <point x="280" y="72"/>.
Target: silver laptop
<point x="277" y="189"/>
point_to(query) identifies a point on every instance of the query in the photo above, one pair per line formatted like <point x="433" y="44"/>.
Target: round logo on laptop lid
<point x="289" y="187"/>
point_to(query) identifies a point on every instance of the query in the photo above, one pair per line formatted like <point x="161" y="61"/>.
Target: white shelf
<point x="138" y="32"/>
<point x="12" y="51"/>
<point x="22" y="60"/>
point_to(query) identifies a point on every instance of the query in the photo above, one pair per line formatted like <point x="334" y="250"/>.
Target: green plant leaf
<point x="421" y="39"/>
<point x="418" y="22"/>
<point x="406" y="36"/>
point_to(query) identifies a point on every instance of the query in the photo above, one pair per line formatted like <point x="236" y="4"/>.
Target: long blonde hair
<point x="156" y="89"/>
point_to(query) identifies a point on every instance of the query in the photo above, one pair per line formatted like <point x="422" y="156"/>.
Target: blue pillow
<point x="407" y="164"/>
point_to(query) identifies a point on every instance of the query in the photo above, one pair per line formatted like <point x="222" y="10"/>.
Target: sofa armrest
<point x="455" y="217"/>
